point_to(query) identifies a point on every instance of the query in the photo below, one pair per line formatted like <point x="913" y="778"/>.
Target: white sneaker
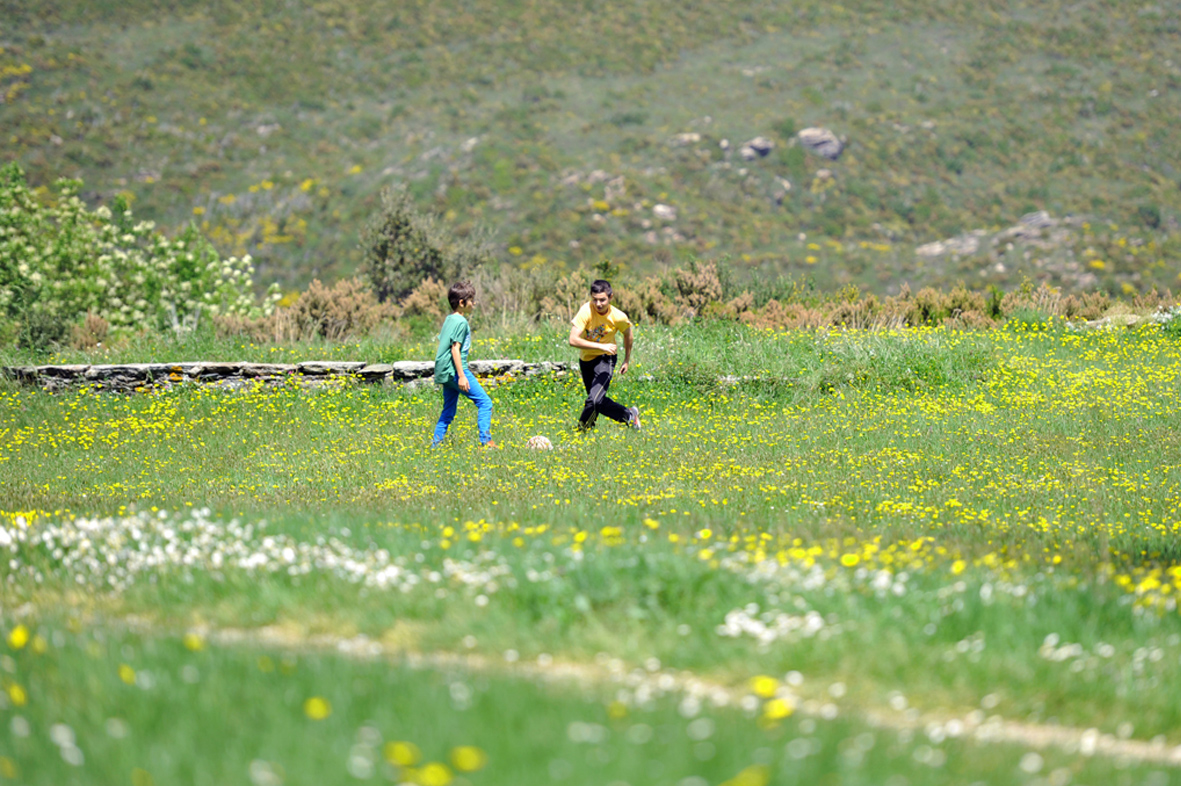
<point x="633" y="419"/>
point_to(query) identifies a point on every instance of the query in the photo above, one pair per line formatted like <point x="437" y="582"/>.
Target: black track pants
<point x="596" y="378"/>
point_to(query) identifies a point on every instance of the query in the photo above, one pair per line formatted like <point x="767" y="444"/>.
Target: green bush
<point x="403" y="247"/>
<point x="59" y="261"/>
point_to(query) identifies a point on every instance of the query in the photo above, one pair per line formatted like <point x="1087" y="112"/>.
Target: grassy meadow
<point x="909" y="556"/>
<point x="904" y="557"/>
<point x="558" y="127"/>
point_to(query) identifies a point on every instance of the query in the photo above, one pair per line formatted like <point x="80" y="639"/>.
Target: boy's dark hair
<point x="460" y="290"/>
<point x="599" y="287"/>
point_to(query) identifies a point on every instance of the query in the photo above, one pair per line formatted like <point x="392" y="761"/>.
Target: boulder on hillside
<point x="756" y="148"/>
<point x="665" y="212"/>
<point x="822" y="142"/>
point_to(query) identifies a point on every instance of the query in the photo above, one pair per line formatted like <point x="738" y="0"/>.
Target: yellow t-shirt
<point x="599" y="328"/>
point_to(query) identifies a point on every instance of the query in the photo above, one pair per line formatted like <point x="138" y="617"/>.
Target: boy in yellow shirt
<point x="593" y="331"/>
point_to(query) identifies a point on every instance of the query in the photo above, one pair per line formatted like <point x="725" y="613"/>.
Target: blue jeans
<point x="477" y="396"/>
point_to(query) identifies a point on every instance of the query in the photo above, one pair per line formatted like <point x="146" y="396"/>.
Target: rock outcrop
<point x="822" y="142"/>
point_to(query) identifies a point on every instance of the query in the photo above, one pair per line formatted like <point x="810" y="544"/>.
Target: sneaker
<point x="633" y="418"/>
<point x="490" y="444"/>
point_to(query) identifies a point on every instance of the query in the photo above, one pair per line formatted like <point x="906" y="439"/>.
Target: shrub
<point x="856" y="313"/>
<point x="42" y="330"/>
<point x="429" y="299"/>
<point x="783" y="316"/>
<point x="348" y="308"/>
<point x="697" y="285"/>
<point x="1090" y="305"/>
<point x="514" y="295"/>
<point x="90" y="332"/>
<point x="646" y="300"/>
<point x="1170" y="321"/>
<point x="59" y="261"/>
<point x="568" y="295"/>
<point x="402" y="247"/>
<point x="1031" y="306"/>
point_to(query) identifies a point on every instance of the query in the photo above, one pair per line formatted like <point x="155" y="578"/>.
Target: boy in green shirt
<point x="451" y="371"/>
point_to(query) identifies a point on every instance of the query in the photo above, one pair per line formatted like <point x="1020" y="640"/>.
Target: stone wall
<point x="135" y="376"/>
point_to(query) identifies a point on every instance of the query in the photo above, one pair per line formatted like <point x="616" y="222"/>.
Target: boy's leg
<point x="596" y="378"/>
<point x="450" y="399"/>
<point x="483" y="408"/>
<point x="589" y="411"/>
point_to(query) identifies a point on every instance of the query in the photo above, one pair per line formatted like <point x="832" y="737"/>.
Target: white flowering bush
<point x="1170" y="320"/>
<point x="60" y="261"/>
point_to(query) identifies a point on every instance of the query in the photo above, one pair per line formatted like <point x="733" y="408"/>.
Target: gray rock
<point x="489" y="368"/>
<point x="207" y="371"/>
<point x="243" y="376"/>
<point x="665" y="212"/>
<point x="127" y="372"/>
<point x="413" y="369"/>
<point x="963" y="245"/>
<point x="758" y="147"/>
<point x="232" y="383"/>
<point x="24" y="374"/>
<point x="546" y="367"/>
<point x="71" y="372"/>
<point x="254" y="370"/>
<point x="376" y="372"/>
<point x="822" y="142"/>
<point x="1119" y="320"/>
<point x="1038" y="219"/>
<point x="329" y="367"/>
<point x="185" y="369"/>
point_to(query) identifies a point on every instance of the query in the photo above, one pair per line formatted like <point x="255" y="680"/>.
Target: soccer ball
<point x="540" y="443"/>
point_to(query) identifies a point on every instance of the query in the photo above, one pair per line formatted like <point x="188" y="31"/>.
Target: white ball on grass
<point x="540" y="443"/>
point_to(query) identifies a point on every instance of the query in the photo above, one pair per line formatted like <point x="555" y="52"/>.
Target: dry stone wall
<point x="136" y="376"/>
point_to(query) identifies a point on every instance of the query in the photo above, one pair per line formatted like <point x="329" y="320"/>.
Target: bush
<point x="42" y="331"/>
<point x="90" y="332"/>
<point x="568" y="294"/>
<point x="1170" y="321"/>
<point x="429" y="299"/>
<point x="59" y="261"/>
<point x="348" y="309"/>
<point x="403" y="247"/>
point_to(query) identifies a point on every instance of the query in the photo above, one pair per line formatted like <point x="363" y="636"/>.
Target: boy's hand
<point x="623" y="368"/>
<point x="464" y="385"/>
<point x="610" y="349"/>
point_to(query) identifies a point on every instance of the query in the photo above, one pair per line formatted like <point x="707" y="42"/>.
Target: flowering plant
<point x="60" y="261"/>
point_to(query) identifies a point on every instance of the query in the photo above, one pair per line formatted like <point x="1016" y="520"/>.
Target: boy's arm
<point x="627" y="350"/>
<point x="460" y="377"/>
<point x="581" y="343"/>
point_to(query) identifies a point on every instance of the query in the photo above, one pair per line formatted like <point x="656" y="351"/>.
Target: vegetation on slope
<point x="556" y="125"/>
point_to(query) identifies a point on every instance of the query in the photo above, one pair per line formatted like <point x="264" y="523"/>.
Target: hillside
<point x="562" y="126"/>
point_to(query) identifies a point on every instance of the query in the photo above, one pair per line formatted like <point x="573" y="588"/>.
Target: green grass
<point x="939" y="106"/>
<point x="999" y="537"/>
<point x="938" y="638"/>
<point x="120" y="708"/>
<point x="802" y="363"/>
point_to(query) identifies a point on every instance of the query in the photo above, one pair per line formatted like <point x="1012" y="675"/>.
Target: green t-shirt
<point x="455" y="330"/>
